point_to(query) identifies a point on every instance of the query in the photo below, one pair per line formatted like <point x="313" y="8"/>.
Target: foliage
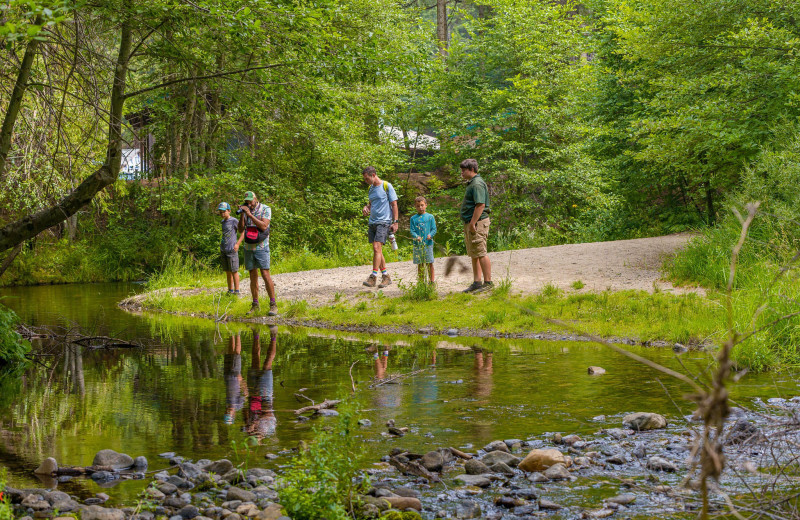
<point x="321" y="482"/>
<point x="12" y="347"/>
<point x="6" y="511"/>
<point x="420" y="291"/>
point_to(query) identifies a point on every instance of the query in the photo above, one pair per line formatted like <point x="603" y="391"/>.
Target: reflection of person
<point x="381" y="363"/>
<point x="254" y="222"/>
<point x="388" y="395"/>
<point x="261" y="421"/>
<point x="475" y="216"/>
<point x="483" y="373"/>
<point x="423" y="229"/>
<point x="229" y="247"/>
<point x="383" y="219"/>
<point x="234" y="389"/>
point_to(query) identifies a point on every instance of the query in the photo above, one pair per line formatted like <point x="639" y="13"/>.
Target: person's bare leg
<point x="486" y="266"/>
<point x="377" y="256"/>
<point x="268" y="283"/>
<point x="430" y="272"/>
<point x="236" y="281"/>
<point x="476" y="270"/>
<point x="229" y="277"/>
<point x="254" y="284"/>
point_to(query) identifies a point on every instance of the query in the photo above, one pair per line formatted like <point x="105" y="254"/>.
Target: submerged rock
<point x="47" y="467"/>
<point x="468" y="509"/>
<point x="474" y="480"/>
<point x="140" y="463"/>
<point x="661" y="464"/>
<point x="642" y="421"/>
<point x="538" y="460"/>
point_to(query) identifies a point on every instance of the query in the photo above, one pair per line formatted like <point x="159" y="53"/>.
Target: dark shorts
<point x="229" y="261"/>
<point x="258" y="259"/>
<point x="378" y="233"/>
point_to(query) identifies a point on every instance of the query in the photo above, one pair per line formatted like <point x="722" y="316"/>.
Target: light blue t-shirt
<point x="380" y="200"/>
<point x="421" y="226"/>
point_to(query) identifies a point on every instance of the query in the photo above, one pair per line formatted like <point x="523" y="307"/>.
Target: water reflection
<point x="260" y="420"/>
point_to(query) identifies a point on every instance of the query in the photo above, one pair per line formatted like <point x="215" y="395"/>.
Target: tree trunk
<point x="30" y="226"/>
<point x="441" y="26"/>
<point x="15" y="103"/>
<point x="712" y="215"/>
<point x="188" y="120"/>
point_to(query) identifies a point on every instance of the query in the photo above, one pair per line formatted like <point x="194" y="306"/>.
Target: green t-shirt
<point x="477" y="193"/>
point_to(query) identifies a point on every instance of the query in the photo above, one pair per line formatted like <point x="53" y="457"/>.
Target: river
<point x="201" y="389"/>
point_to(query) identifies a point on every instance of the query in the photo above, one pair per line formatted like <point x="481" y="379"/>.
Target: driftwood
<point x="413" y="468"/>
<point x="460" y="454"/>
<point x="327" y="403"/>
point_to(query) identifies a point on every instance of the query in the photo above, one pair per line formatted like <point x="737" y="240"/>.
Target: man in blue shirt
<point x="383" y="219"/>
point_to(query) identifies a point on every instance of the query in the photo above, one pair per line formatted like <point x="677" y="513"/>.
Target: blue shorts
<point x="423" y="254"/>
<point x="256" y="259"/>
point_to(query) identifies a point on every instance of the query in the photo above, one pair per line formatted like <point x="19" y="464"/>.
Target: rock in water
<point x="496" y="446"/>
<point x="538" y="460"/>
<point x="235" y="493"/>
<point x="661" y="464"/>
<point x="48" y="467"/>
<point x="432" y="461"/>
<point x="547" y="505"/>
<point x="742" y="432"/>
<point x="140" y="463"/>
<point x="642" y="421"/>
<point x="468" y="509"/>
<point x="403" y="503"/>
<point x="476" y="467"/>
<point x="492" y="458"/>
<point x="113" y="459"/>
<point x="101" y="513"/>
<point x="596" y="371"/>
<point x="557" y="472"/>
<point x="474" y="480"/>
<point x="220" y="467"/>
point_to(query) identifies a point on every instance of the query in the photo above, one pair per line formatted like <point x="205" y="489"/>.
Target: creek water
<point x="201" y="389"/>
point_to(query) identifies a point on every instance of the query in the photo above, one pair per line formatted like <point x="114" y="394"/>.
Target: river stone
<point x="570" y="440"/>
<point x="65" y="506"/>
<point x="500" y="467"/>
<point x="235" y="493"/>
<point x="140" y="463"/>
<point x="642" y="421"/>
<point x="175" y="502"/>
<point x="190" y="471"/>
<point x="596" y="371"/>
<point x="188" y="512"/>
<point x="113" y="459"/>
<point x="403" y="503"/>
<point x="47" y="467"/>
<point x="468" y="509"/>
<point x="406" y="492"/>
<point x="380" y="503"/>
<point x="476" y="467"/>
<point x="56" y="496"/>
<point x="234" y="476"/>
<point x="617" y="458"/>
<point x="179" y="482"/>
<point x="660" y="464"/>
<point x="743" y="432"/>
<point x="538" y="460"/>
<point x="432" y="461"/>
<point x="496" y="446"/>
<point x="103" y="476"/>
<point x="101" y="513"/>
<point x="557" y="472"/>
<point x="492" y="458"/>
<point x="548" y="505"/>
<point x="155" y="494"/>
<point x="474" y="480"/>
<point x="36" y="502"/>
<point x="622" y="500"/>
<point x="220" y="467"/>
<point x="167" y="488"/>
<point x="640" y="451"/>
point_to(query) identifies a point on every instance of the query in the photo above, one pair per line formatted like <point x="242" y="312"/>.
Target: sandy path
<point x="618" y="265"/>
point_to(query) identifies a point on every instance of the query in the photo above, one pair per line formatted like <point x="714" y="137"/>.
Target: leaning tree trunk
<point x="441" y="26"/>
<point x="15" y="103"/>
<point x="30" y="226"/>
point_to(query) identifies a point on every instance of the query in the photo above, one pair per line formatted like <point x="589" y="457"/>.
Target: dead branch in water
<point x="73" y="336"/>
<point x="395" y="378"/>
<point x="327" y="403"/>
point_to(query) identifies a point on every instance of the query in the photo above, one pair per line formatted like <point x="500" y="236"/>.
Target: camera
<point x="239" y="209"/>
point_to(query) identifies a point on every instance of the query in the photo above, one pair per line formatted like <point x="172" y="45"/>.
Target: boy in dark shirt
<point x="229" y="247"/>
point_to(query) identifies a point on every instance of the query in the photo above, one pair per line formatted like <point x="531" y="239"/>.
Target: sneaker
<point x="371" y="281"/>
<point x="273" y="310"/>
<point x="385" y="281"/>
<point x="474" y="287"/>
<point x="254" y="308"/>
<point x="230" y="292"/>
<point x="237" y="293"/>
<point x="487" y="286"/>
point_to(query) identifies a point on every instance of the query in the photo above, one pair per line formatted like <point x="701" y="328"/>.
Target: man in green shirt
<point x="475" y="217"/>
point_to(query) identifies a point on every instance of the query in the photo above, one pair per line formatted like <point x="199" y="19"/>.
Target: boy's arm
<point x="412" y="225"/>
<point x="433" y="226"/>
<point x="239" y="242"/>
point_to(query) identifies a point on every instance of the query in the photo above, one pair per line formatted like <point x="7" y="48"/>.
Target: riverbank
<point x="636" y="464"/>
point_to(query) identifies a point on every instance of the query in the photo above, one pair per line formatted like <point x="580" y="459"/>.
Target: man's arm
<point x="395" y="225"/>
<point x="260" y="223"/>
<point x="366" y="209"/>
<point x="240" y="228"/>
<point x="476" y="215"/>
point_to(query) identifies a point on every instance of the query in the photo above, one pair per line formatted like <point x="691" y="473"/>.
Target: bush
<point x="12" y="347"/>
<point x="6" y="511"/>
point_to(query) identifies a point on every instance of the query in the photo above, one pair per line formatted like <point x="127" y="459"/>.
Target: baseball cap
<point x="249" y="195"/>
<point x="223" y="206"/>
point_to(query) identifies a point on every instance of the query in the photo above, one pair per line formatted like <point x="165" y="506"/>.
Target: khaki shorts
<point x="476" y="242"/>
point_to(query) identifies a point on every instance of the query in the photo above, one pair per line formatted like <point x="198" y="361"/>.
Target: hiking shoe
<point x="237" y="293"/>
<point x="254" y="308"/>
<point x="385" y="281"/>
<point x="273" y="310"/>
<point x="474" y="287"/>
<point x="371" y="281"/>
<point x="487" y="286"/>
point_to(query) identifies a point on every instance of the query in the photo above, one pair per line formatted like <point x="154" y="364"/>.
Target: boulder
<point x="56" y="496"/>
<point x="476" y="467"/>
<point x="468" y="509"/>
<point x="642" y="421"/>
<point x="570" y="440"/>
<point x="596" y="371"/>
<point x="474" y="480"/>
<point x="113" y="459"/>
<point x="189" y="512"/>
<point x="503" y="468"/>
<point x="496" y="446"/>
<point x="538" y="460"/>
<point x="167" y="488"/>
<point x="548" y="505"/>
<point x="432" y="461"/>
<point x="154" y="494"/>
<point x="220" y="467"/>
<point x="48" y="467"/>
<point x="622" y="500"/>
<point x="103" y="476"/>
<point x="235" y="493"/>
<point x="403" y="503"/>
<point x="101" y="513"/>
<point x="140" y="463"/>
<point x="743" y="432"/>
<point x="406" y="492"/>
<point x="661" y="464"/>
<point x="492" y="458"/>
<point x="190" y="471"/>
<point x="557" y="472"/>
